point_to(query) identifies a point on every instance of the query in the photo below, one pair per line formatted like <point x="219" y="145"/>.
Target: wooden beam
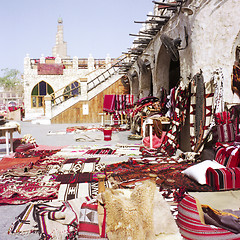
<point x="159" y="22"/>
<point x="166" y="4"/>
<point x="161" y="16"/>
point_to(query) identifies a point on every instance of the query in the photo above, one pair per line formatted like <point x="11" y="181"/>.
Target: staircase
<point x="96" y="81"/>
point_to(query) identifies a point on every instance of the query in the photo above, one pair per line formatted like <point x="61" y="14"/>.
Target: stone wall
<point x="213" y="31"/>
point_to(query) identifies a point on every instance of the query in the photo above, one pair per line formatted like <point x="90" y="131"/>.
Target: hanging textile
<point x="236" y="80"/>
<point x="109" y="103"/>
<point x="212" y="101"/>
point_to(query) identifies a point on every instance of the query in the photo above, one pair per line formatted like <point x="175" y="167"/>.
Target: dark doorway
<point x="174" y="73"/>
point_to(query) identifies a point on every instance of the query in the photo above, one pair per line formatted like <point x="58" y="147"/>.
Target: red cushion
<point x="224" y="178"/>
<point x="88" y="226"/>
<point x="228" y="156"/>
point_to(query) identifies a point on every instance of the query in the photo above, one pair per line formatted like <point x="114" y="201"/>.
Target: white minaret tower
<point x="60" y="49"/>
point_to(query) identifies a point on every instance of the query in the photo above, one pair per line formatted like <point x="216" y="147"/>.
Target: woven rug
<point x="126" y="174"/>
<point x="20" y="190"/>
<point x="77" y="178"/>
<point x="56" y="219"/>
<point x="74" y="219"/>
<point x="74" y="165"/>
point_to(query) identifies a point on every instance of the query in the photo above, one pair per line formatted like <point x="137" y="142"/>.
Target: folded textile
<point x="25" y="222"/>
<point x="52" y="220"/>
<point x="76" y="178"/>
<point x="77" y="190"/>
<point x="79" y="165"/>
<point x="108" y="151"/>
<point x="226" y="219"/>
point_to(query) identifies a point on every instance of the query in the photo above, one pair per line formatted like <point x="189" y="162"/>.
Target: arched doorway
<point x="134" y="85"/>
<point x="167" y="72"/>
<point x="146" y="82"/>
<point x="162" y="71"/>
<point x="40" y="90"/>
<point x="174" y="73"/>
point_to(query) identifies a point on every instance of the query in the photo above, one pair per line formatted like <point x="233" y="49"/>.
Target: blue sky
<point x="98" y="27"/>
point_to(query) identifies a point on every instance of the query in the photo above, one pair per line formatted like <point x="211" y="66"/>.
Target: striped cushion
<point x="191" y="227"/>
<point x="228" y="156"/>
<point x="226" y="132"/>
<point x="224" y="178"/>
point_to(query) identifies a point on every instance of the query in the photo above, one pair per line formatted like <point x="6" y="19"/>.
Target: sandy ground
<point x="50" y="135"/>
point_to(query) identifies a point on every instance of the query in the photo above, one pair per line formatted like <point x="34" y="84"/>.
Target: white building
<point x="58" y="75"/>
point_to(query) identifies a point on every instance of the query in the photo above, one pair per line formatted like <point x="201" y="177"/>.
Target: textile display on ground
<point x="40" y="179"/>
<point x="77" y="179"/>
<point x="20" y="190"/>
<point x="12" y="162"/>
<point x="76" y="218"/>
<point x="125" y="174"/>
<point x="28" y="183"/>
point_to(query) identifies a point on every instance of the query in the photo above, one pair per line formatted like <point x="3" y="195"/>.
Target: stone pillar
<point x="27" y="63"/>
<point x="90" y="63"/>
<point x="58" y="59"/>
<point x="48" y="107"/>
<point x="42" y="59"/>
<point x="108" y="61"/>
<point x="75" y="63"/>
<point x="84" y="93"/>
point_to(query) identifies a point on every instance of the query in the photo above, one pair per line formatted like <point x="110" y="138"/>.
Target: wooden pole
<point x="153" y="177"/>
<point x="101" y="189"/>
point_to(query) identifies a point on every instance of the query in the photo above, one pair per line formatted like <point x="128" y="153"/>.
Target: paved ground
<point x="50" y="135"/>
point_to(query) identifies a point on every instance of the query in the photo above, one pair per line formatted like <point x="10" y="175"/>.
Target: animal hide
<point x="141" y="214"/>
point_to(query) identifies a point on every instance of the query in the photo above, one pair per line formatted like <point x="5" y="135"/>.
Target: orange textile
<point x="11" y="162"/>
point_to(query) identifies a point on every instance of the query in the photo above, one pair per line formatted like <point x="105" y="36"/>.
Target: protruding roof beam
<point x="153" y="21"/>
<point x="166" y="4"/>
<point x="141" y="35"/>
<point x="159" y="16"/>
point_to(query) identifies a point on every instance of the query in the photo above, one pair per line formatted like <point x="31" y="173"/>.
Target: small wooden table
<point x="8" y="131"/>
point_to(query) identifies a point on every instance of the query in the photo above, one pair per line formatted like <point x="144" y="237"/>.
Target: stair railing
<point x="106" y="74"/>
<point x="97" y="80"/>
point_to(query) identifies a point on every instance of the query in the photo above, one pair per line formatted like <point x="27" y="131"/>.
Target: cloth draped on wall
<point x="236" y="80"/>
<point x="218" y="79"/>
<point x="50" y="69"/>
